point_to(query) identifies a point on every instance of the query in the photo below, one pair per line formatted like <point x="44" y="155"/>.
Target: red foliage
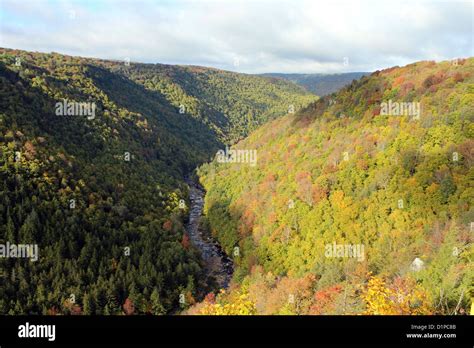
<point x="433" y="80"/>
<point x="168" y="225"/>
<point x="406" y="88"/>
<point x="376" y="111"/>
<point x="458" y="77"/>
<point x="76" y="310"/>
<point x="398" y="81"/>
<point x="128" y="307"/>
<point x="210" y="297"/>
<point x="324" y="299"/>
<point x="185" y="241"/>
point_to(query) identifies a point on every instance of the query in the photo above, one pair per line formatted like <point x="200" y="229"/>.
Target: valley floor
<point x="218" y="265"/>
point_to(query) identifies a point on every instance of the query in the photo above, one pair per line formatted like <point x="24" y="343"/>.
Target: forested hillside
<point x="231" y="104"/>
<point x="354" y="170"/>
<point x="320" y="84"/>
<point x="100" y="194"/>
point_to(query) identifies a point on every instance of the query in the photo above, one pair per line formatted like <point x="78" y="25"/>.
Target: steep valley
<point x="102" y="196"/>
<point x="358" y="204"/>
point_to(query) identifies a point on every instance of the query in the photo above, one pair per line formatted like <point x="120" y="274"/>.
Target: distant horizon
<point x="213" y="67"/>
<point x="185" y="65"/>
<point x="253" y="37"/>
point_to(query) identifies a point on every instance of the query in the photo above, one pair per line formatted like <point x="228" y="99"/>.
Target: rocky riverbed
<point x="218" y="264"/>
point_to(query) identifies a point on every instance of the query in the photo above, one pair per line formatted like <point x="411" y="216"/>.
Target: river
<point x="217" y="264"/>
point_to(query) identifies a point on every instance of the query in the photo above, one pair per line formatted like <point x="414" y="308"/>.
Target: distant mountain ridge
<point x="320" y="84"/>
<point x="230" y="104"/>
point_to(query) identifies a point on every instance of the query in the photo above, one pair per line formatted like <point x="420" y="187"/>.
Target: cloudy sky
<point x="301" y="36"/>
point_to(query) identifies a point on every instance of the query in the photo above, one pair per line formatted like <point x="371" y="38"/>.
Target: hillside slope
<point x="97" y="194"/>
<point x="100" y="193"/>
<point x="355" y="206"/>
<point x="231" y="104"/>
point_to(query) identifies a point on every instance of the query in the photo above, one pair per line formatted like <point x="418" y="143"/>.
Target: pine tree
<point x="157" y="307"/>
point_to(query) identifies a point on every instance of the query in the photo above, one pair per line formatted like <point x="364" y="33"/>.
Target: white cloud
<point x="276" y="36"/>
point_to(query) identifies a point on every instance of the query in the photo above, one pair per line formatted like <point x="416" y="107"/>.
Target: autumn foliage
<point x="402" y="297"/>
<point x="341" y="171"/>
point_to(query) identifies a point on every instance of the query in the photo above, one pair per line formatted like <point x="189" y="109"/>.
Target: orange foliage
<point x="168" y="225"/>
<point x="185" y="241"/>
<point x="319" y="193"/>
<point x="129" y="307"/>
<point x="398" y="81"/>
<point x="325" y="300"/>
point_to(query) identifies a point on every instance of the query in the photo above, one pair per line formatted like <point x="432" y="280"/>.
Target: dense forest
<point x="396" y="183"/>
<point x="230" y="104"/>
<point x="320" y="84"/>
<point x="103" y="195"/>
<point x="381" y="168"/>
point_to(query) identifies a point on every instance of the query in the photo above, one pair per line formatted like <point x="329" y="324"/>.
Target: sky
<point x="259" y="36"/>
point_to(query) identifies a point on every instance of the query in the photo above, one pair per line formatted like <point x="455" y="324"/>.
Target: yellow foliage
<point x="237" y="305"/>
<point x="407" y="299"/>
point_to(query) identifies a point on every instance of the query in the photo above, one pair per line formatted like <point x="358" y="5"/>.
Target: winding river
<point x="218" y="264"/>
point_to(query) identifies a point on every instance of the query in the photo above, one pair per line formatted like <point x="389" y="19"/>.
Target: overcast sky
<point x="300" y="36"/>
